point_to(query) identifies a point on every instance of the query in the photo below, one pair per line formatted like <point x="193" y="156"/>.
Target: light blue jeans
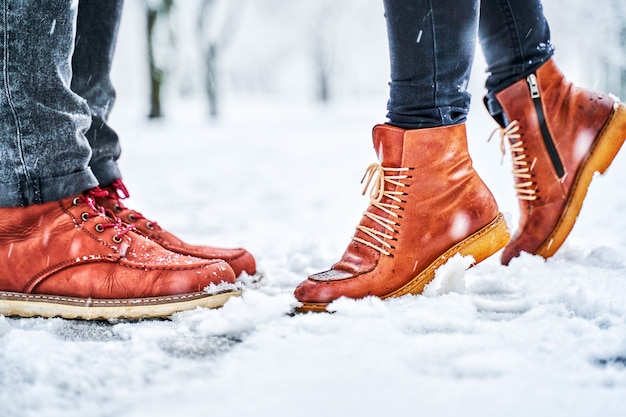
<point x="45" y="153"/>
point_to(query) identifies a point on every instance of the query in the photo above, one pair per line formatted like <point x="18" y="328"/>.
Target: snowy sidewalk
<point x="534" y="339"/>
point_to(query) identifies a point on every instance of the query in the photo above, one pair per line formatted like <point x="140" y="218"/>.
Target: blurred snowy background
<point x="317" y="50"/>
<point x="259" y="138"/>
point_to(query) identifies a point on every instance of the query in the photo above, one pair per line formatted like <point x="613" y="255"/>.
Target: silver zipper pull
<point x="532" y="84"/>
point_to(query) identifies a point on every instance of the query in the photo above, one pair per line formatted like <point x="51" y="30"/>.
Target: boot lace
<point x="89" y="198"/>
<point x="525" y="187"/>
<point x="375" y="178"/>
<point x="121" y="193"/>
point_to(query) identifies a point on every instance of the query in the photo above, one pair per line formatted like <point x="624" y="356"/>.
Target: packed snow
<point x="280" y="176"/>
<point x="535" y="338"/>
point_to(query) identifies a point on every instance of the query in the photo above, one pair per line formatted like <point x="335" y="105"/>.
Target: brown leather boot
<point x="559" y="136"/>
<point x="68" y="259"/>
<point x="427" y="205"/>
<point x="239" y="259"/>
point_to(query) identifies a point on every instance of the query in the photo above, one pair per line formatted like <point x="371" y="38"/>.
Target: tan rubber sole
<point x="39" y="305"/>
<point x="607" y="146"/>
<point x="479" y="245"/>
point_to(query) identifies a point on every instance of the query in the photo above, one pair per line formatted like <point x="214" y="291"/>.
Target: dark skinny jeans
<point x="432" y="45"/>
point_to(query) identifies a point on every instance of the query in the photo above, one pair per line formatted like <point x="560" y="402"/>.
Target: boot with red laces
<point x="559" y="135"/>
<point x="427" y="204"/>
<point x="68" y="259"/>
<point x="239" y="259"/>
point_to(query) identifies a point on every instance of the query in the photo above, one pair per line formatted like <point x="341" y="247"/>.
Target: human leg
<point x="559" y="134"/>
<point x="60" y="255"/>
<point x="97" y="26"/>
<point x="515" y="39"/>
<point x="43" y="148"/>
<point x="427" y="203"/>
<point x="432" y="47"/>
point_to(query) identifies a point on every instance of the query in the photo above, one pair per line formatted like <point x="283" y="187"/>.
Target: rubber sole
<point x="610" y="141"/>
<point x="40" y="305"/>
<point x="480" y="245"/>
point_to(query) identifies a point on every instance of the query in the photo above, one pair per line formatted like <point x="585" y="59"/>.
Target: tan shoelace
<point x="525" y="188"/>
<point x="375" y="177"/>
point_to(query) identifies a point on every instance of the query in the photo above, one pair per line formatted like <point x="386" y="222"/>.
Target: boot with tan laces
<point x="239" y="259"/>
<point x="427" y="205"/>
<point x="68" y="259"/>
<point x="559" y="135"/>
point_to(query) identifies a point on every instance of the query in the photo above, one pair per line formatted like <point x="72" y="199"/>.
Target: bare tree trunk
<point x="156" y="75"/>
<point x="323" y="49"/>
<point x="155" y="11"/>
<point x="215" y="32"/>
<point x="622" y="92"/>
<point x="211" y="81"/>
<point x="323" y="67"/>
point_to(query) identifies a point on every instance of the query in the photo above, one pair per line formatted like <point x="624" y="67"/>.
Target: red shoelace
<point x="88" y="198"/>
<point x="121" y="193"/>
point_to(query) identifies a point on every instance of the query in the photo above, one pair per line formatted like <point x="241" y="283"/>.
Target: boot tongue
<point x="388" y="144"/>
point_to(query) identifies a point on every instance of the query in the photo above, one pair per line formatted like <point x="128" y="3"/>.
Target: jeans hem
<point x="491" y="102"/>
<point x="49" y="189"/>
<point x="106" y="171"/>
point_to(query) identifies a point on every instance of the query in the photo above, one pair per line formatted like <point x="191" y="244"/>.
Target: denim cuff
<point x="491" y="102"/>
<point x="411" y="106"/>
<point x="45" y="190"/>
<point x="106" y="171"/>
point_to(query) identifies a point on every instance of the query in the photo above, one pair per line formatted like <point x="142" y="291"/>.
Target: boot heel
<point x="610" y="141"/>
<point x="480" y="246"/>
<point x="487" y="241"/>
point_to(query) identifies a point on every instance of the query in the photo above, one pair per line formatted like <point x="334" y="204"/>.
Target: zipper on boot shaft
<point x="545" y="133"/>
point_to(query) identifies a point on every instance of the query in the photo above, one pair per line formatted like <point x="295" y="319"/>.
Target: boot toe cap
<point x="243" y="262"/>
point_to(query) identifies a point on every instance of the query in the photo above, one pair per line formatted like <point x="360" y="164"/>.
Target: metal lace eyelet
<point x="132" y="218"/>
<point x="117" y="239"/>
<point x="75" y="201"/>
<point x="99" y="228"/>
<point x="84" y="216"/>
<point x="150" y="225"/>
<point x="117" y="208"/>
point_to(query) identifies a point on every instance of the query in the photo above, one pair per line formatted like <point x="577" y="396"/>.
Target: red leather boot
<point x="68" y="259"/>
<point x="559" y="136"/>
<point x="239" y="259"/>
<point x="427" y="205"/>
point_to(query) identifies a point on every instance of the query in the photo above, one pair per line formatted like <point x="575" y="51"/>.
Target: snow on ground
<point x="536" y="338"/>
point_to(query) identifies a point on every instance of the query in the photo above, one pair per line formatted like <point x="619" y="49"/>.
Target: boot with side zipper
<point x="427" y="205"/>
<point x="559" y="135"/>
